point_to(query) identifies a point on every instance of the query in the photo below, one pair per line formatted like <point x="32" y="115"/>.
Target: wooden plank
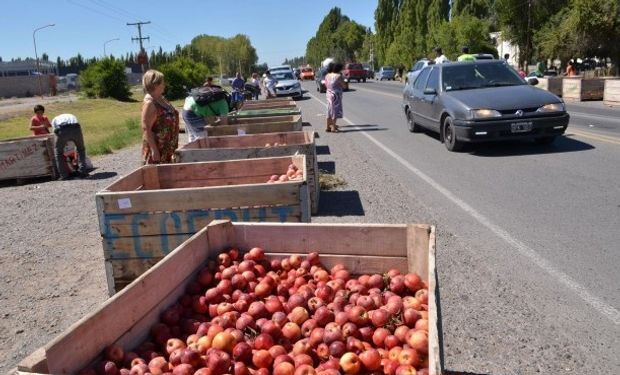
<point x="125" y="271"/>
<point x="255" y="170"/>
<point x="255" y="195"/>
<point x="434" y="350"/>
<point x="236" y="142"/>
<point x="76" y="347"/>
<point x="150" y="177"/>
<point x="361" y="239"/>
<point x="263" y="120"/>
<point x="270" y="127"/>
<point x="417" y="246"/>
<point x="266" y="112"/>
<point x="188" y="222"/>
<point x="128" y="182"/>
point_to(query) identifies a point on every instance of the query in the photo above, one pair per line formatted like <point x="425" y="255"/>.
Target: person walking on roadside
<point x="160" y="121"/>
<point x="256" y="83"/>
<point x="39" y="123"/>
<point x="570" y="69"/>
<point x="441" y="58"/>
<point x="67" y="128"/>
<point x="334" y="86"/>
<point x="466" y="56"/>
<point x="270" y="85"/>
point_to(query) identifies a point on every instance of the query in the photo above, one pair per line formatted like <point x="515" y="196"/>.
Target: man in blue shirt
<point x="238" y="86"/>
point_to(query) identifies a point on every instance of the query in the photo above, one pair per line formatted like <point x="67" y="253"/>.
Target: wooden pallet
<point x="254" y="146"/>
<point x="145" y="215"/>
<point x="126" y="318"/>
<point x="27" y="157"/>
<point x="250" y="104"/>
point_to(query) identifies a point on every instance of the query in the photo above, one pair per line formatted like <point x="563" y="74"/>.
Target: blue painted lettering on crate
<point x="165" y="246"/>
<point x="110" y="237"/>
<point x="283" y="212"/>
<point x="193" y="214"/>
<point x="135" y="232"/>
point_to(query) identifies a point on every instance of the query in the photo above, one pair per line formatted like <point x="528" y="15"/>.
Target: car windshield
<point x="475" y="76"/>
<point x="387" y="68"/>
<point x="307" y="70"/>
<point x="283" y="75"/>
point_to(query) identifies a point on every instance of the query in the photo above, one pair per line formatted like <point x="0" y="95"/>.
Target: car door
<point x="417" y="98"/>
<point x="431" y="105"/>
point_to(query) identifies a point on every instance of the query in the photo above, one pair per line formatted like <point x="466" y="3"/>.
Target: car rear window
<point x="387" y="68"/>
<point x="356" y="66"/>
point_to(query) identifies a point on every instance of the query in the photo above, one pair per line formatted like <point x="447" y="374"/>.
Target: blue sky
<point x="277" y="29"/>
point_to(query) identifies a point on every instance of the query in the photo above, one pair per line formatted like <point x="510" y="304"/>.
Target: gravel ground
<point x="51" y="256"/>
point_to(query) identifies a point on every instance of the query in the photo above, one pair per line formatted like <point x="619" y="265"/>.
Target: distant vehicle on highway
<point x="481" y="101"/>
<point x="385" y="72"/>
<point x="281" y="68"/>
<point x="287" y="85"/>
<point x="354" y="71"/>
<point x="307" y="73"/>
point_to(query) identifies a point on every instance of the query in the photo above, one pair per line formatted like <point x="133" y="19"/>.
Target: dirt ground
<point x="50" y="256"/>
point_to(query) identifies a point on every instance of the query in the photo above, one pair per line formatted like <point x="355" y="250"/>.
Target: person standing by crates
<point x="67" y="128"/>
<point x="39" y="123"/>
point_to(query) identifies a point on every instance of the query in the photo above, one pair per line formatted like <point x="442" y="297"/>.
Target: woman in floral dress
<point x="160" y="121"/>
<point x="334" y="87"/>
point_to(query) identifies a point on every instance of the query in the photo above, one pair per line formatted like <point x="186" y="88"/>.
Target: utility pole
<point x="372" y="59"/>
<point x="140" y="39"/>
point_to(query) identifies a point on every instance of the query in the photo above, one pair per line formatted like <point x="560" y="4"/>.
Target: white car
<point x="287" y="84"/>
<point x="416" y="69"/>
<point x="281" y="69"/>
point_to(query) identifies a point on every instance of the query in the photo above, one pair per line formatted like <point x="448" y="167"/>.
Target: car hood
<point x="504" y="98"/>
<point x="287" y="82"/>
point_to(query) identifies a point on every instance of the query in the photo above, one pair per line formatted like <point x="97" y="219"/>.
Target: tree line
<point x="407" y="30"/>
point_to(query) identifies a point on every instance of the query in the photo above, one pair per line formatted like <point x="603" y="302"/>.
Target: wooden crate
<point x="266" y="112"/>
<point x="27" y="157"/>
<point x="611" y="95"/>
<point x="146" y="214"/>
<point x="126" y="318"/>
<point x="253" y="146"/>
<point x="551" y="84"/>
<point x="255" y="104"/>
<point x="578" y="89"/>
<point x="239" y="127"/>
<point x="231" y="120"/>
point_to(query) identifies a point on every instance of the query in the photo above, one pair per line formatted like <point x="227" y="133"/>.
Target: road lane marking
<point x="590" y="135"/>
<point x="599" y="305"/>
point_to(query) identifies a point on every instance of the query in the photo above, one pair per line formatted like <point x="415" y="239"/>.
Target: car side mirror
<point x="533" y="81"/>
<point x="430" y="91"/>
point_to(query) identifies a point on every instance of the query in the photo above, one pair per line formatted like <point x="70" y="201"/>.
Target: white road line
<point x="599" y="305"/>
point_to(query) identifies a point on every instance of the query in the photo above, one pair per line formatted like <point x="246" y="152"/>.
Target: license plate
<point x="521" y="127"/>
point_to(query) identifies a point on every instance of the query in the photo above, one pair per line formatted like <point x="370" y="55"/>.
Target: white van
<point x="72" y="81"/>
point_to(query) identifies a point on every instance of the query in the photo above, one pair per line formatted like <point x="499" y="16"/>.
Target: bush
<point x="182" y="72"/>
<point x="105" y="79"/>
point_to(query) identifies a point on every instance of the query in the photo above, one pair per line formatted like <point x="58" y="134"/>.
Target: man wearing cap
<point x="441" y="58"/>
<point x="466" y="56"/>
<point x="67" y="128"/>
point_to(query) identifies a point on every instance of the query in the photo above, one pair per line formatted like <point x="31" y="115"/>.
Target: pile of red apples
<point x="248" y="315"/>
<point x="292" y="174"/>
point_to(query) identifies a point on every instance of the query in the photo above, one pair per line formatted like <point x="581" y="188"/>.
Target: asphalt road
<point x="528" y="243"/>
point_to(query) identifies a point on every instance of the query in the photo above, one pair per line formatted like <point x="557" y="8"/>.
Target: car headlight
<point x="483" y="113"/>
<point x="553" y="107"/>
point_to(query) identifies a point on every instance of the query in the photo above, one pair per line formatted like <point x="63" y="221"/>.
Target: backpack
<point x="205" y="95"/>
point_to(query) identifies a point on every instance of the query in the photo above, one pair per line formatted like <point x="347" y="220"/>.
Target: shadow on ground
<point x="328" y="167"/>
<point x="340" y="203"/>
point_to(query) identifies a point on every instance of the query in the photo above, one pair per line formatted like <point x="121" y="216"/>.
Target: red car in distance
<point x="306" y="73"/>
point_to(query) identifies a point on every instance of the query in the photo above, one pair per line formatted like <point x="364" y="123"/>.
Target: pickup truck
<point x="354" y="71"/>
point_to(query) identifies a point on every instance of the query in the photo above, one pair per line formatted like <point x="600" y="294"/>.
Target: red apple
<point x="262" y="359"/>
<point x="371" y="359"/>
<point x="242" y="352"/>
<point x="350" y="363"/>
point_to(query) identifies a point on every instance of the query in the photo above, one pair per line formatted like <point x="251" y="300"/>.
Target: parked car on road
<point x="480" y="101"/>
<point x="287" y="84"/>
<point x="385" y="72"/>
<point x="370" y="74"/>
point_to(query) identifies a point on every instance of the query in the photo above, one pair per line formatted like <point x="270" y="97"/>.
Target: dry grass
<point x="330" y="181"/>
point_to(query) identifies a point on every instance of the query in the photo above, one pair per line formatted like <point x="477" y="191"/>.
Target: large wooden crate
<point x="146" y="214"/>
<point x="578" y="89"/>
<point x="242" y="126"/>
<point x="611" y="95"/>
<point x="254" y="146"/>
<point x="266" y="112"/>
<point x="551" y="84"/>
<point x="27" y="157"/>
<point x="126" y="318"/>
<point x="256" y="104"/>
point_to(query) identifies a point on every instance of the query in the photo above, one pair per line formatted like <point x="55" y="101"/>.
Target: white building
<point x="504" y="47"/>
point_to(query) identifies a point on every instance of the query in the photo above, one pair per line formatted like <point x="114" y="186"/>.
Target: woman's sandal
<point x="329" y="130"/>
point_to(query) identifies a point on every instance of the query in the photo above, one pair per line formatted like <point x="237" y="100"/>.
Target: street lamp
<point x="106" y="42"/>
<point x="36" y="55"/>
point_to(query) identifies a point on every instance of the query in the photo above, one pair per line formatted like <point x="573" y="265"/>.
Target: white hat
<point x="327" y="61"/>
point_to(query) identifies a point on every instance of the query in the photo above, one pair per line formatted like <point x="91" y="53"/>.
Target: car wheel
<point x="413" y="127"/>
<point x="449" y="135"/>
<point x="545" y="140"/>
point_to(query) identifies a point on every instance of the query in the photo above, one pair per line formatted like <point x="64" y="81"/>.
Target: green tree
<point x="105" y="78"/>
<point x="182" y="72"/>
